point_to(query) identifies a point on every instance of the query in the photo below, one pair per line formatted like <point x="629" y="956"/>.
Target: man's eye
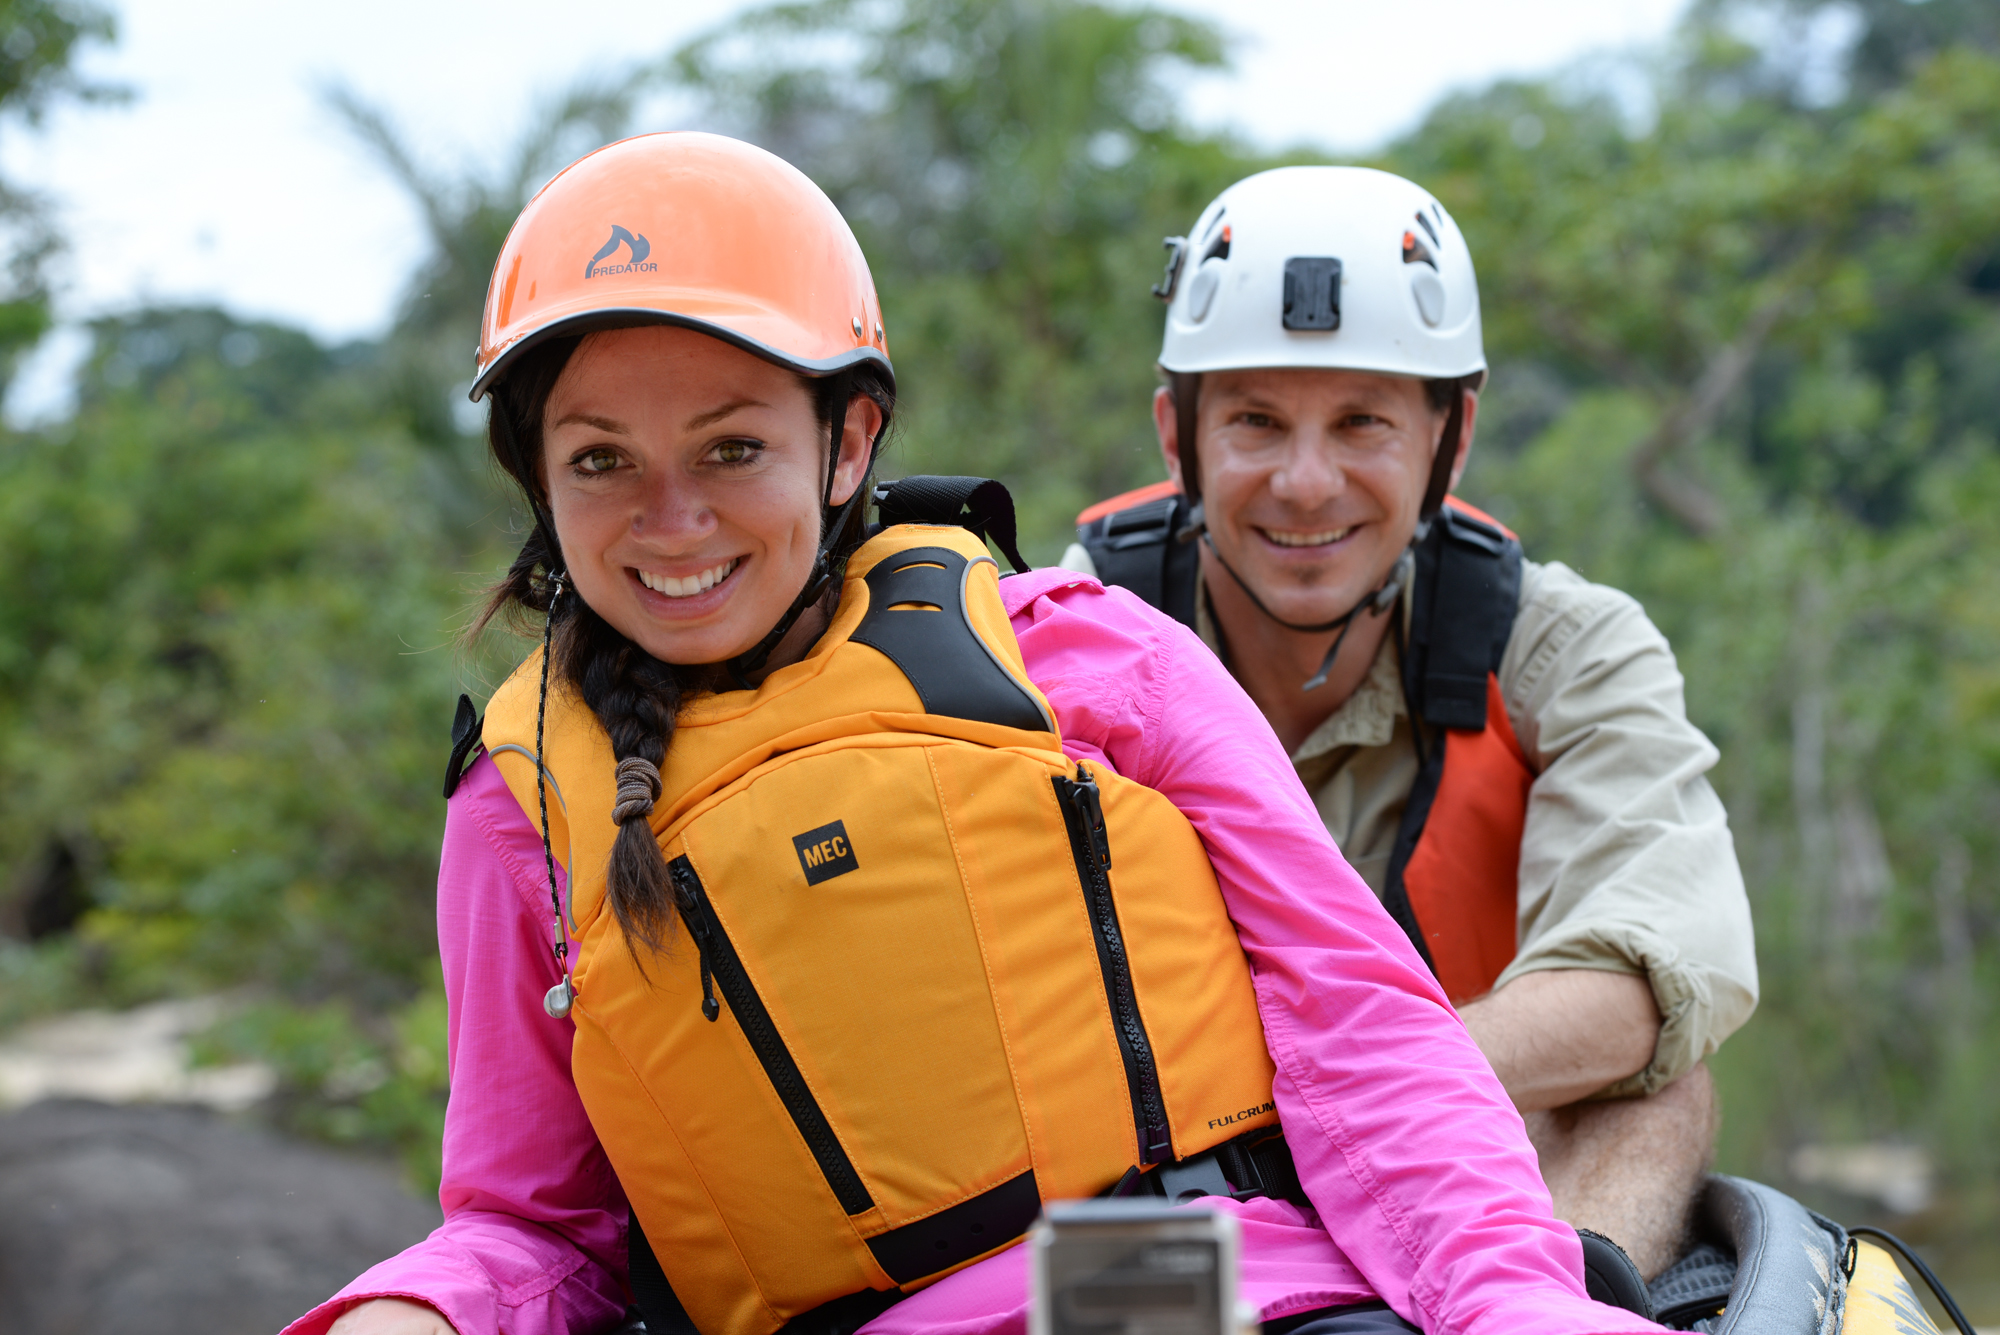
<point x="598" y="461"/>
<point x="1259" y="420"/>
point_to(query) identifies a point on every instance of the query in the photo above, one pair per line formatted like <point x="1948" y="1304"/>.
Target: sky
<point x="226" y="179"/>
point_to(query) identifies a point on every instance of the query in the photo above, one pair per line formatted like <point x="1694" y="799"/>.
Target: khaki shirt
<point x="1626" y="859"/>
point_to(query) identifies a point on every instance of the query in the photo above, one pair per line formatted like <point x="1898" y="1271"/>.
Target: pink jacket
<point x="1427" y="1191"/>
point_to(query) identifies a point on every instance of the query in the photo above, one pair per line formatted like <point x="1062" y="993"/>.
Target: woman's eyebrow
<point x="700" y="420"/>
<point x="607" y="424"/>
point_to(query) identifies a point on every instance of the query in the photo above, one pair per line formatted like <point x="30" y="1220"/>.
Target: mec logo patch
<point x="825" y="853"/>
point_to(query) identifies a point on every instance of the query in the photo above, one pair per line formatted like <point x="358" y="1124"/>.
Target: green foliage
<point x="227" y="663"/>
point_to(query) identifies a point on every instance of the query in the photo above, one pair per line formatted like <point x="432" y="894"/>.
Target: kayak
<point x="1763" y="1264"/>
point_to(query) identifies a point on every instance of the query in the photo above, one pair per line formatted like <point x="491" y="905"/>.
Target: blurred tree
<point x="427" y="357"/>
<point x="223" y="671"/>
<point x="39" y="43"/>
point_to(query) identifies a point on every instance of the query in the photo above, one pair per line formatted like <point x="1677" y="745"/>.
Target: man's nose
<point x="1309" y="475"/>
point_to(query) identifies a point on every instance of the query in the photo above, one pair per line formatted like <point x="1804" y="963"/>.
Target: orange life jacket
<point x="930" y="974"/>
<point x="1453" y="878"/>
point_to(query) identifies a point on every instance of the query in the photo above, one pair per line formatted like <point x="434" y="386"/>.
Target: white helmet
<point x="1339" y="267"/>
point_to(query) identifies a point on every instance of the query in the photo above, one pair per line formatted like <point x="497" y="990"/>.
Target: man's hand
<point x="1558" y="1035"/>
<point x="391" y="1316"/>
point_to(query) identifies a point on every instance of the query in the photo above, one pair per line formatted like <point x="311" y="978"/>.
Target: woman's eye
<point x="597" y="461"/>
<point x="735" y="451"/>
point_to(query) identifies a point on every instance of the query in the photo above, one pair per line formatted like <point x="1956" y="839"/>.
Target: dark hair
<point x="634" y="695"/>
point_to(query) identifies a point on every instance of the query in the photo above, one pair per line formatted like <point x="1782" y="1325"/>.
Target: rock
<point x="176" y="1221"/>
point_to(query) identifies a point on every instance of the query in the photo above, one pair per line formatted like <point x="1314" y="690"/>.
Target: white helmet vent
<point x="1201" y="289"/>
<point x="1428" y="289"/>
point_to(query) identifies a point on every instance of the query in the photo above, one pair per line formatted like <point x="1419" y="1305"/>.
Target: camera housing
<point x="1134" y="1267"/>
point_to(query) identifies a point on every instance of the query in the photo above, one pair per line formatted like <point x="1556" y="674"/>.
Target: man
<point x="1499" y="747"/>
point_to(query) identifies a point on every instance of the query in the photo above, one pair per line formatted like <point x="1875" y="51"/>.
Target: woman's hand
<point x="391" y="1316"/>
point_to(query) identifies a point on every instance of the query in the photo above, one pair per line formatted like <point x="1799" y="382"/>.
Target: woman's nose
<point x="672" y="512"/>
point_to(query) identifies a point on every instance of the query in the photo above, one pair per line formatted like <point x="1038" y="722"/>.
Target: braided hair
<point x="635" y="696"/>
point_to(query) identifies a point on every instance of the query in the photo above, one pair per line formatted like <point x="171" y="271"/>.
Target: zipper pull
<point x="709" y="1008"/>
<point x="1088" y="805"/>
<point x="688" y="901"/>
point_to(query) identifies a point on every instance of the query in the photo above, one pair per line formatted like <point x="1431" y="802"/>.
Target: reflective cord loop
<point x="557" y="1001"/>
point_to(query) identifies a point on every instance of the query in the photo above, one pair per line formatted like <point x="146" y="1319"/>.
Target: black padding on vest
<point x="1609" y="1276"/>
<point x="951" y="668"/>
<point x="1467" y="590"/>
<point x="988" y="1220"/>
<point x="977" y="503"/>
<point x="661" y="1306"/>
<point x="1468" y="587"/>
<point x="465" y="735"/>
<point x="1135" y="549"/>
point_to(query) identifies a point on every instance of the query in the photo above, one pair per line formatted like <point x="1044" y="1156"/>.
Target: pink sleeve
<point x="1405" y="1141"/>
<point x="533" y="1236"/>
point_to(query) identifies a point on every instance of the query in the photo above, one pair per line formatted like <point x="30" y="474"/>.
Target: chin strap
<point x="1381" y="600"/>
<point x="828" y="566"/>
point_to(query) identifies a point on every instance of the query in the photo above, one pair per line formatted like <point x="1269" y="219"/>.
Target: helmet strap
<point x="829" y="566"/>
<point x="1383" y="598"/>
<point x="1442" y="461"/>
<point x="1185" y="386"/>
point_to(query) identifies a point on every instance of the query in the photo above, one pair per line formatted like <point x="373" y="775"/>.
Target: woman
<point x="838" y="1017"/>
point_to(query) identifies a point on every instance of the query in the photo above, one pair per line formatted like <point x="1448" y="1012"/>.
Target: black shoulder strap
<point x="1466" y="591"/>
<point x="1468" y="587"/>
<point x="977" y="503"/>
<point x="465" y="736"/>
<point x="1136" y="549"/>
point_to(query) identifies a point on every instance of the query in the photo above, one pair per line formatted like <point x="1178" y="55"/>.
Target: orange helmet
<point x="687" y="229"/>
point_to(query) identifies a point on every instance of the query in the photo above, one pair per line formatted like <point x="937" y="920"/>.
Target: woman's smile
<point x="687" y="586"/>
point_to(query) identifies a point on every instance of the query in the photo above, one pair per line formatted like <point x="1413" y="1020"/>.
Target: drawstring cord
<point x="558" y="999"/>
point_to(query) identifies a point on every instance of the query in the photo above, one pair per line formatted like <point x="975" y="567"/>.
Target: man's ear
<point x="1465" y="436"/>
<point x="1167" y="424"/>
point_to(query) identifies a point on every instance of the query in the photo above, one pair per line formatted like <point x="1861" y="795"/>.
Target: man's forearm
<point x="1559" y="1035"/>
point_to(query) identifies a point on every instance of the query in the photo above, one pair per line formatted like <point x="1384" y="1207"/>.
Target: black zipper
<point x="721" y="966"/>
<point x="1090" y="844"/>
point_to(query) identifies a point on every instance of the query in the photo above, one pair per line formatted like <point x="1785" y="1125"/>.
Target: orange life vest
<point x="930" y="973"/>
<point x="1453" y="880"/>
